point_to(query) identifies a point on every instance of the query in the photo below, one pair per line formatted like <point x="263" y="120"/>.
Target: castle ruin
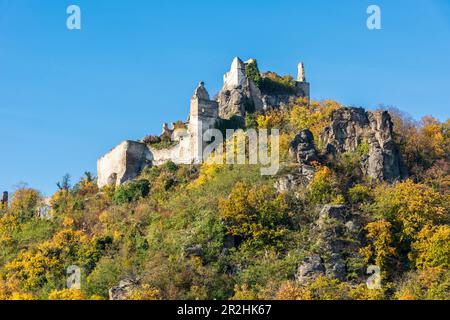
<point x="239" y="96"/>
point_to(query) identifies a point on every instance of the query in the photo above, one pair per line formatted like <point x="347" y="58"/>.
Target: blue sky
<point x="67" y="97"/>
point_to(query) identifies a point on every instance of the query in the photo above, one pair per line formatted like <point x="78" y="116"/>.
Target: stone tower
<point x="301" y="77"/>
<point x="203" y="116"/>
<point x="302" y="86"/>
<point x="236" y="76"/>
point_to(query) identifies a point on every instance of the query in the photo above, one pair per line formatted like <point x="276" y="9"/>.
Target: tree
<point x="409" y="207"/>
<point x="432" y="248"/>
<point x="64" y="184"/>
<point x="380" y="249"/>
<point x="24" y="203"/>
<point x="255" y="214"/>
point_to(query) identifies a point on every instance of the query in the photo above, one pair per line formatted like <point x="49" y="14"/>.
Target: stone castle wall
<point x="123" y="163"/>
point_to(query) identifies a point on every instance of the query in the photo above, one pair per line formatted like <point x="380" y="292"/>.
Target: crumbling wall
<point x="125" y="162"/>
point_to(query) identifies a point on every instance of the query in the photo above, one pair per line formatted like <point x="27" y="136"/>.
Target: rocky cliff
<point x="370" y="133"/>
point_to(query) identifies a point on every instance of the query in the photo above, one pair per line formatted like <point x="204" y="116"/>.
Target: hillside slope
<point x="226" y="232"/>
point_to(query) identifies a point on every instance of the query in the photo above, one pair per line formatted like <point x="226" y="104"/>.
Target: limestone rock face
<point x="302" y="148"/>
<point x="351" y="128"/>
<point x="238" y="100"/>
<point x="334" y="225"/>
<point x="125" y="162"/>
<point x="123" y="290"/>
<point x="310" y="268"/>
<point x="239" y="94"/>
<point x="291" y="182"/>
<point x="331" y="228"/>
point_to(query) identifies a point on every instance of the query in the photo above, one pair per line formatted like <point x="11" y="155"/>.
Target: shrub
<point x="252" y="71"/>
<point x="66" y="294"/>
<point x="151" y="139"/>
<point x="105" y="275"/>
<point x="428" y="284"/>
<point x="170" y="166"/>
<point x="323" y="189"/>
<point x="131" y="191"/>
<point x="255" y="214"/>
<point x="272" y="119"/>
<point x="314" y="116"/>
<point x="359" y="194"/>
<point x="250" y="121"/>
<point x="46" y="265"/>
<point x="274" y="84"/>
<point x="380" y="249"/>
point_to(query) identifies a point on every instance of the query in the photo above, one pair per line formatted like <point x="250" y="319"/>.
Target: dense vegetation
<point x="223" y="232"/>
<point x="270" y="83"/>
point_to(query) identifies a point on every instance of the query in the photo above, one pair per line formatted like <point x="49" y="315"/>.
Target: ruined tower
<point x="203" y="116"/>
<point x="236" y="76"/>
<point x="302" y="86"/>
<point x="301" y="77"/>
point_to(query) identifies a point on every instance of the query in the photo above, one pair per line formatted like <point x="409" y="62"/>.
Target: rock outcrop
<point x="353" y="129"/>
<point x="334" y="224"/>
<point x="123" y="290"/>
<point x="239" y="94"/>
<point x="310" y="268"/>
<point x="331" y="229"/>
<point x="303" y="150"/>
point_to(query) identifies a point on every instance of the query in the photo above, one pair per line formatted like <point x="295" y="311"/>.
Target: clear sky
<point x="67" y="97"/>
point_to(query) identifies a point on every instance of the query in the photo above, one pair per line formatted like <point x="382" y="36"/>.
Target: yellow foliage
<point x="243" y="292"/>
<point x="145" y="292"/>
<point x="68" y="222"/>
<point x="207" y="172"/>
<point x="324" y="288"/>
<point x="380" y="248"/>
<point x="10" y="291"/>
<point x="314" y="116"/>
<point x="67" y="294"/>
<point x="8" y="224"/>
<point x="434" y="137"/>
<point x="273" y="119"/>
<point x="67" y="247"/>
<point x="432" y="248"/>
<point x="412" y="205"/>
<point x="255" y="213"/>
<point x="324" y="187"/>
<point x="427" y="284"/>
<point x="290" y="291"/>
